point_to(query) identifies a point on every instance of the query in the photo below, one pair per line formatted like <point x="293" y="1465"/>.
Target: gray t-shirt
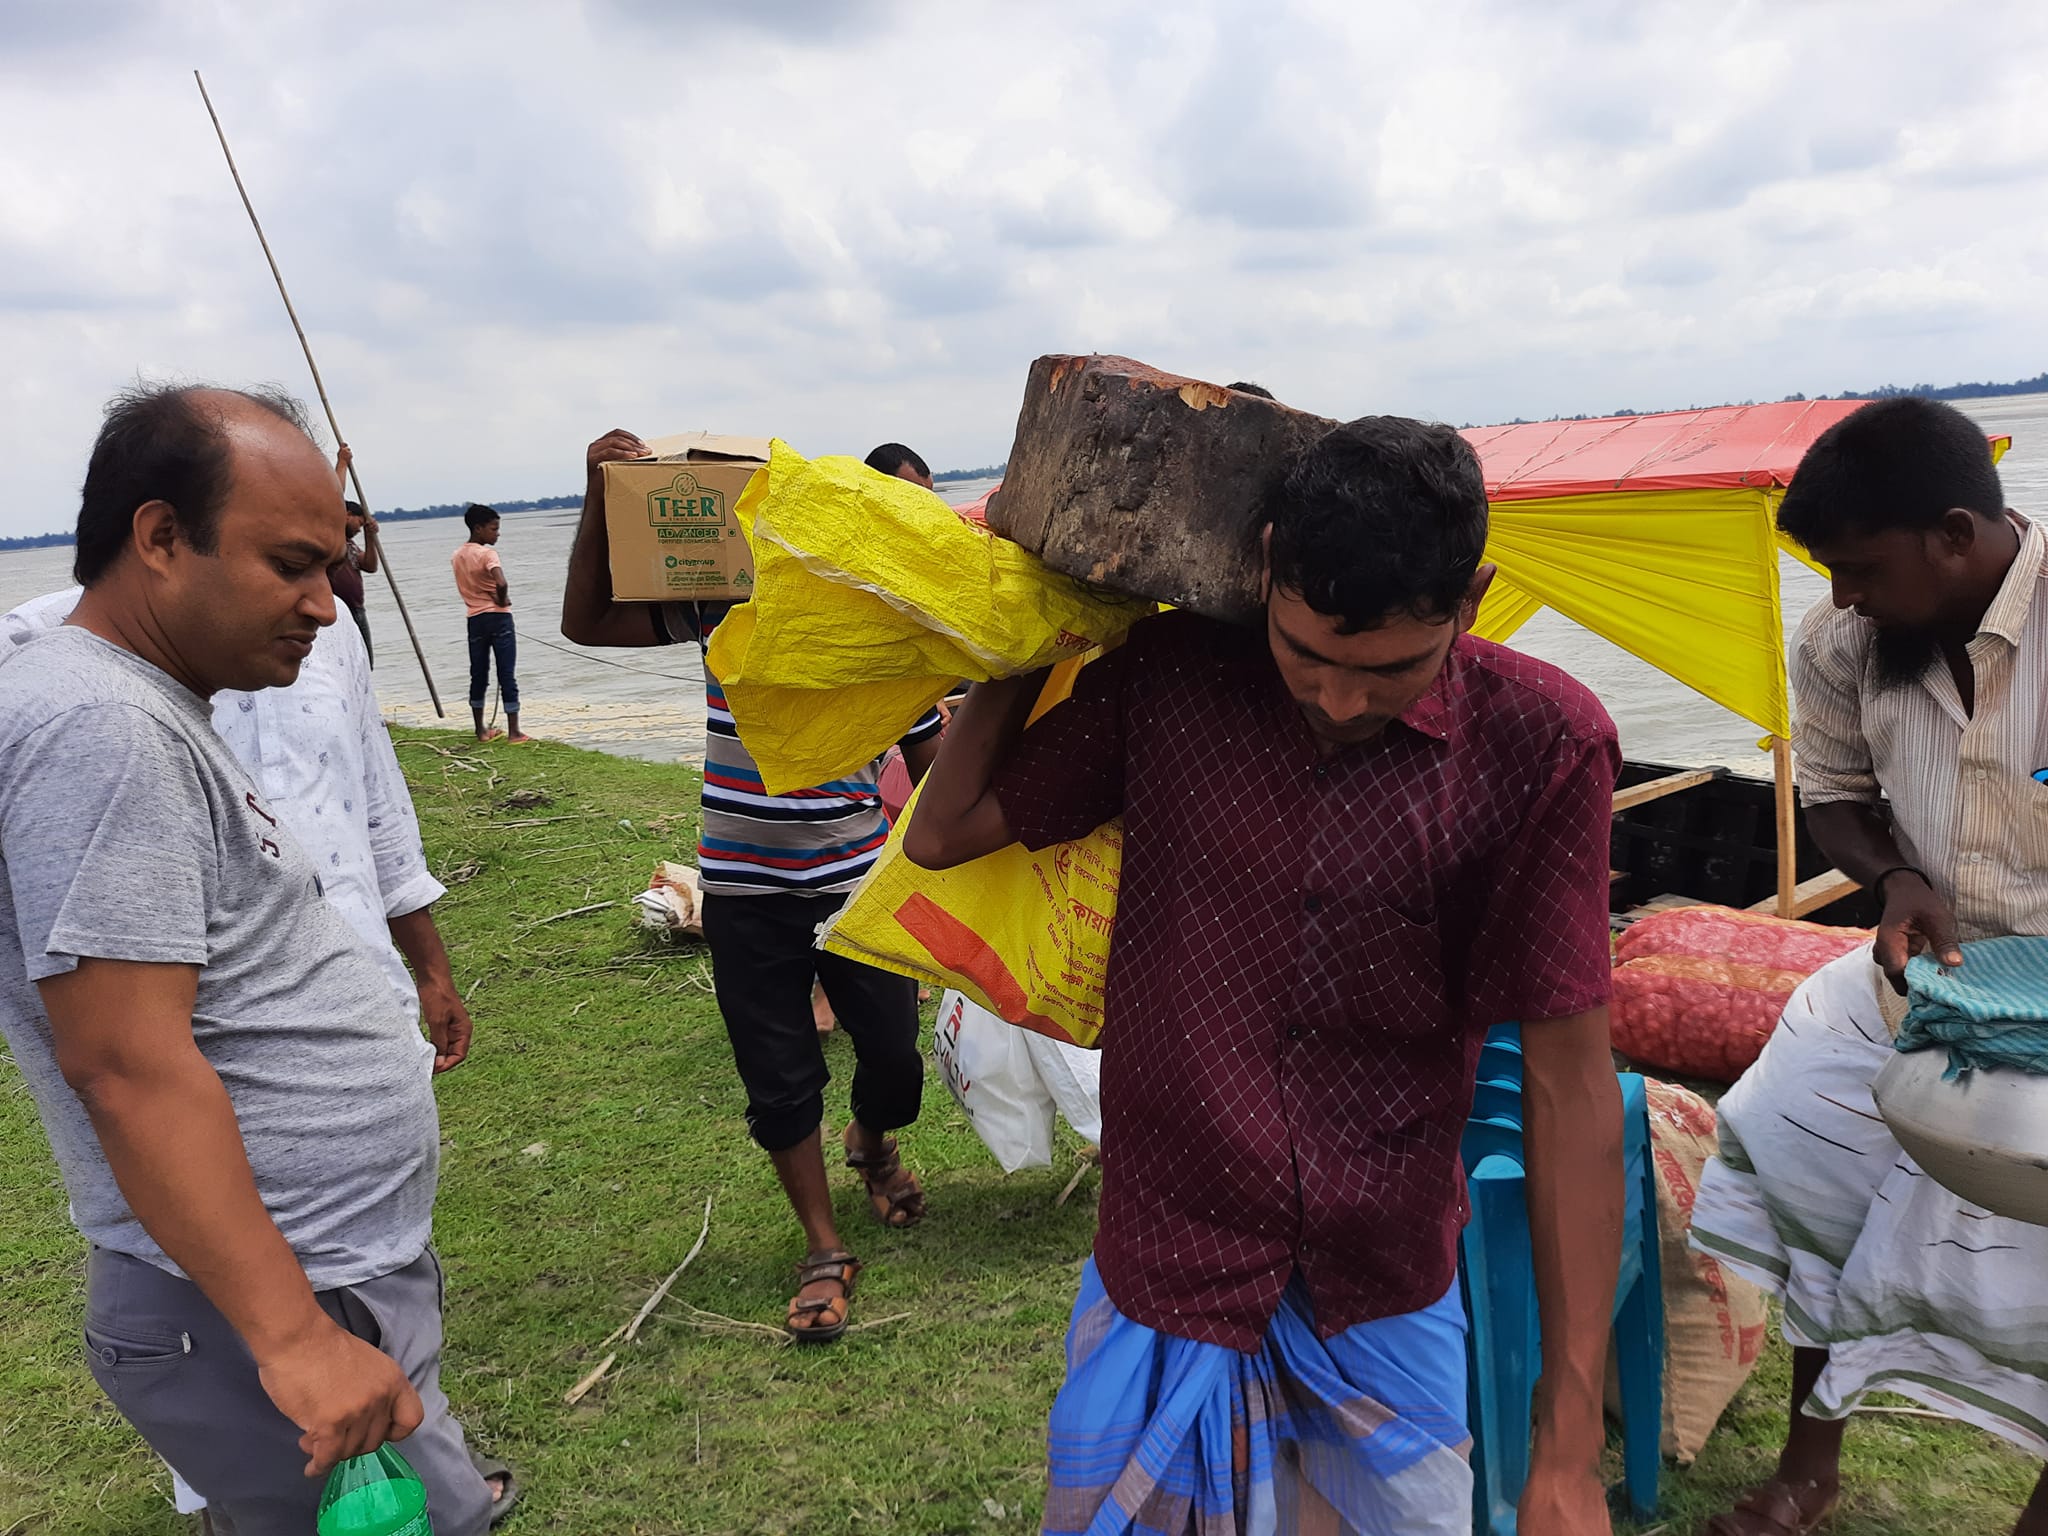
<point x="129" y="832"/>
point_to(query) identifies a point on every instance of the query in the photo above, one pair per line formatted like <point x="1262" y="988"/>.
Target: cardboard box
<point x="670" y="522"/>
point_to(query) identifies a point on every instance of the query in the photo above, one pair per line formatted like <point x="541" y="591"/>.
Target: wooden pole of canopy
<point x="385" y="561"/>
<point x="1788" y="828"/>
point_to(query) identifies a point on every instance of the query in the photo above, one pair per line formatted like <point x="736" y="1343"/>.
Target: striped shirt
<point x="750" y="843"/>
<point x="1966" y="808"/>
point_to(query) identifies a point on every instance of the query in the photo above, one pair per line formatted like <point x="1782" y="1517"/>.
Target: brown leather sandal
<point x="822" y="1319"/>
<point x="894" y="1196"/>
<point x="1776" y="1508"/>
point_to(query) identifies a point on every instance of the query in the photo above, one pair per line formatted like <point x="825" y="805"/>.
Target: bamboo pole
<point x="384" y="555"/>
<point x="1788" y="828"/>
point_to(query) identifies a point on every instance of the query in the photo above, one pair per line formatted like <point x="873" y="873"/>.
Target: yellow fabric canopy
<point x="1687" y="580"/>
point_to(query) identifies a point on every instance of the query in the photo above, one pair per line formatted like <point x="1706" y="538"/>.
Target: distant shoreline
<point x="1954" y="393"/>
<point x="456" y="509"/>
<point x="396" y="515"/>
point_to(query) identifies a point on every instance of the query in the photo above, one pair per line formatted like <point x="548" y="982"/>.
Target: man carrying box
<point x="1352" y="844"/>
<point x="773" y="868"/>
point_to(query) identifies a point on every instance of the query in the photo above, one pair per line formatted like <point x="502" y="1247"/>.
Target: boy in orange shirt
<point x="480" y="580"/>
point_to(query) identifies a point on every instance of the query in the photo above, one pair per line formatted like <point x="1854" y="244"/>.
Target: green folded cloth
<point x="1990" y="1011"/>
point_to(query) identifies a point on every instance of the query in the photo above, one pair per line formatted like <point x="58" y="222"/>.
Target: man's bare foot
<point x="519" y="738"/>
<point x="491" y="735"/>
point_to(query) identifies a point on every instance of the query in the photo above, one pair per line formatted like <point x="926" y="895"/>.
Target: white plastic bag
<point x="1074" y="1079"/>
<point x="987" y="1065"/>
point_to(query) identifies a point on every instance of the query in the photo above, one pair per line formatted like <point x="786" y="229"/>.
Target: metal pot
<point x="1982" y="1135"/>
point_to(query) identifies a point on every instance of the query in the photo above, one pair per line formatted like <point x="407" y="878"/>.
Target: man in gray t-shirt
<point x="241" y="1109"/>
<point x="130" y="833"/>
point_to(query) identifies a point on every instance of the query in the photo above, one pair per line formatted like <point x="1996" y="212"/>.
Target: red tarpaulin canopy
<point x="1757" y="446"/>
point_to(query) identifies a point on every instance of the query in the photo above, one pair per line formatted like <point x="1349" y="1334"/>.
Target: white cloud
<point x="509" y="228"/>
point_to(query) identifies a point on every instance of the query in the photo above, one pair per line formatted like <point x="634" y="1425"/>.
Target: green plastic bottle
<point x="374" y="1495"/>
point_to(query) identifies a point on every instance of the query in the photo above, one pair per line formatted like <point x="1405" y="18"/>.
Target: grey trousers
<point x="177" y="1372"/>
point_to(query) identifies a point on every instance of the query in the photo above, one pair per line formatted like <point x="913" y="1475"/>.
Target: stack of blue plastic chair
<point x="1496" y="1276"/>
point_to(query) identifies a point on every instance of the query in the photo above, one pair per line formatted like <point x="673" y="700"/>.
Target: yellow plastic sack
<point x="1026" y="935"/>
<point x="871" y="600"/>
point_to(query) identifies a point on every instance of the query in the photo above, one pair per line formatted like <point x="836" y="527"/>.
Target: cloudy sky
<point x="511" y="226"/>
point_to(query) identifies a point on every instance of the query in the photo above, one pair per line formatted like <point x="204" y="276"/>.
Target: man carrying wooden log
<point x="1355" y="837"/>
<point x="1922" y="698"/>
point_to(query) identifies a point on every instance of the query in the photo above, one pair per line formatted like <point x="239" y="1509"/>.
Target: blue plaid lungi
<point x="1153" y="1435"/>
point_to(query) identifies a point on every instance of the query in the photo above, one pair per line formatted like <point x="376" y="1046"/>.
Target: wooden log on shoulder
<point x="1146" y="482"/>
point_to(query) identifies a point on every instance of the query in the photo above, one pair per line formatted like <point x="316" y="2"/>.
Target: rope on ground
<point x="719" y="1323"/>
<point x="605" y="661"/>
<point x="877" y="1322"/>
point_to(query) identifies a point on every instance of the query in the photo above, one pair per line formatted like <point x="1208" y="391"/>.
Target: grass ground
<point x="595" y="1115"/>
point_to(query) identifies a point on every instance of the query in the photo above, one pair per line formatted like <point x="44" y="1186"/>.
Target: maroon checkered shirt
<point x="1308" y="954"/>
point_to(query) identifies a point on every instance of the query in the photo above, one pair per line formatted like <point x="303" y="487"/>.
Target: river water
<point x="650" y="703"/>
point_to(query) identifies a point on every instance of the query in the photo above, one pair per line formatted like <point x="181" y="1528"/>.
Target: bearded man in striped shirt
<point x="1922" y="729"/>
<point x="773" y="868"/>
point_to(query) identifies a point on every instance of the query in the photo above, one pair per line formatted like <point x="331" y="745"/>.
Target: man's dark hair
<point x="1899" y="463"/>
<point x="354" y="508"/>
<point x="1244" y="388"/>
<point x="161" y="442"/>
<point x="891" y="457"/>
<point x="1383" y="518"/>
<point x="479" y="514"/>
